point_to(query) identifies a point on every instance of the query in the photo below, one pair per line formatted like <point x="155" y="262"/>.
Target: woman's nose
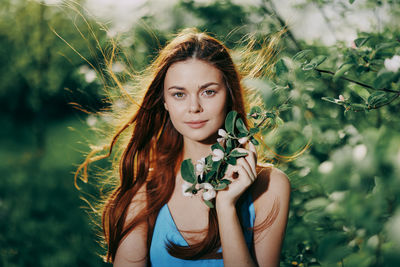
<point x="195" y="105"/>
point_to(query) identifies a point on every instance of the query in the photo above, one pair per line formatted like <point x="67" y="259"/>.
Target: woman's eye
<point x="178" y="95"/>
<point x="209" y="92"/>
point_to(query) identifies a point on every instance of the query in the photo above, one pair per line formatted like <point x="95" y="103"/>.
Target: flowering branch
<point x="207" y="176"/>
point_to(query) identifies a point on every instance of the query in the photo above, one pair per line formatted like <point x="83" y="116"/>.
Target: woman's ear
<point x="165" y="106"/>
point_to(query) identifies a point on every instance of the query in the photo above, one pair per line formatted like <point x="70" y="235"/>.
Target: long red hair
<point x="156" y="145"/>
<point x="152" y="156"/>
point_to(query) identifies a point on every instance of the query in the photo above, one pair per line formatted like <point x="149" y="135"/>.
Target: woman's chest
<point x="190" y="217"/>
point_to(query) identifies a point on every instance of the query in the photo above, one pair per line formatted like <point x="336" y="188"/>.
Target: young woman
<point x="146" y="219"/>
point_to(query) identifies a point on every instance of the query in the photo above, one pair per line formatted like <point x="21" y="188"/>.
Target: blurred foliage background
<point x="340" y="72"/>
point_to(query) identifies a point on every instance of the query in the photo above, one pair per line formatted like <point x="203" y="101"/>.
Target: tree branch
<point x="359" y="83"/>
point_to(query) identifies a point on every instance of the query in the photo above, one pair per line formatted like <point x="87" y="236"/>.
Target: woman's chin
<point x="206" y="140"/>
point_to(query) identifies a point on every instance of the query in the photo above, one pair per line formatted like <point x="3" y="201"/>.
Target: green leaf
<point x="231" y="161"/>
<point x="341" y="71"/>
<point x="230" y="122"/>
<point x="209" y="204"/>
<point x="217" y="146"/>
<point x="316" y="203"/>
<point x="240" y="135"/>
<point x="280" y="67"/>
<point x="377" y="98"/>
<point x="382" y="46"/>
<point x="241" y="126"/>
<point x="228" y="145"/>
<point x="270" y="115"/>
<point x="221" y="186"/>
<point x="351" y="1"/>
<point x="254" y="130"/>
<point x="361" y="41"/>
<point x="254" y="141"/>
<point x="301" y="54"/>
<point x="215" y="165"/>
<point x="316" y="74"/>
<point x="318" y="60"/>
<point x="384" y="79"/>
<point x="237" y="154"/>
<point x="187" y="171"/>
<point x="225" y="181"/>
<point x="308" y="66"/>
<point x="210" y="175"/>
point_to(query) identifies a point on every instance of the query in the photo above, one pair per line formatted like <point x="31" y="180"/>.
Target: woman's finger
<point x="253" y="149"/>
<point x="250" y="158"/>
<point x="249" y="169"/>
<point x="241" y="170"/>
<point x="241" y="173"/>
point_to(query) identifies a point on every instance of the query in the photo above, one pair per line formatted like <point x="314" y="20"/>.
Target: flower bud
<point x="222" y="133"/>
<point x="200" y="165"/>
<point x="218" y="154"/>
<point x="210" y="193"/>
<point x="392" y="64"/>
<point x="243" y="140"/>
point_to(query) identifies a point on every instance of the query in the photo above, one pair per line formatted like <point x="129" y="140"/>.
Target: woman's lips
<point x="196" y="124"/>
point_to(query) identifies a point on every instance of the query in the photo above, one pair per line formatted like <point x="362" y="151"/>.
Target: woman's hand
<point x="241" y="175"/>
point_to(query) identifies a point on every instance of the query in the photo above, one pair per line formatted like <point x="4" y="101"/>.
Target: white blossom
<point x="325" y="167"/>
<point x="359" y="152"/>
<point x="186" y="186"/>
<point x="218" y="154"/>
<point x="243" y="140"/>
<point x="223" y="134"/>
<point x="201" y="163"/>
<point x="221" y="140"/>
<point x="89" y="74"/>
<point x="392" y="64"/>
<point x="209" y="193"/>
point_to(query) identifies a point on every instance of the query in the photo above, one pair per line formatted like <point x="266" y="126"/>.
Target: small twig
<point x="373" y="107"/>
<point x="359" y="83"/>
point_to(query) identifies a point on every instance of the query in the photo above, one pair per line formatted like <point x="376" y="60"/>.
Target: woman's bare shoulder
<point x="270" y="180"/>
<point x="271" y="193"/>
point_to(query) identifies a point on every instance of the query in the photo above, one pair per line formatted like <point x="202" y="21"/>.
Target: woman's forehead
<point x="192" y="72"/>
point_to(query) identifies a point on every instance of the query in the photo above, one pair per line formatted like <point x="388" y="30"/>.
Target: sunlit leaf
<point x="302" y="54"/>
<point x="241" y="127"/>
<point x="187" y="171"/>
<point x="341" y="71"/>
<point x="230" y="122"/>
<point x="361" y="41"/>
<point x="209" y="204"/>
<point x="280" y="67"/>
<point x="237" y="154"/>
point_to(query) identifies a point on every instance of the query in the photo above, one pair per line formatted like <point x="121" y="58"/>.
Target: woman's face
<point x="195" y="97"/>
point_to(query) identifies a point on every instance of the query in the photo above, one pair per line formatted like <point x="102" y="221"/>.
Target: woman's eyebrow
<point x="208" y="84"/>
<point x="176" y="87"/>
<point x="200" y="87"/>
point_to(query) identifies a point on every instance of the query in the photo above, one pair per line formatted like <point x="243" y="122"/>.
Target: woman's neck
<point x="195" y="150"/>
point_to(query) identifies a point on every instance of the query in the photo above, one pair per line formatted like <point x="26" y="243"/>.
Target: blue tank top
<point x="166" y="230"/>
